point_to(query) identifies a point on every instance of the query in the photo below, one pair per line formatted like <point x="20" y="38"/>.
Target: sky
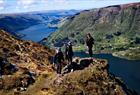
<point x="17" y="6"/>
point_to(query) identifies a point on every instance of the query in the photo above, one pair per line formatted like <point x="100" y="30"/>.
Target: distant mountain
<point x="16" y="22"/>
<point x="114" y="28"/>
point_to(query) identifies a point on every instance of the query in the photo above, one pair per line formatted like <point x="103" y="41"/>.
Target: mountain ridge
<point x="20" y="21"/>
<point x="115" y="28"/>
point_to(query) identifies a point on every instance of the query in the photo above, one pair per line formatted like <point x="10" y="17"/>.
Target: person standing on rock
<point x="89" y="43"/>
<point x="66" y="52"/>
<point x="59" y="59"/>
<point x="69" y="52"/>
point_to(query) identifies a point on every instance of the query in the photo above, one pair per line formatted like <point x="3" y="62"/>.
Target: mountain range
<point x="116" y="29"/>
<point x="26" y="67"/>
<point x="20" y="21"/>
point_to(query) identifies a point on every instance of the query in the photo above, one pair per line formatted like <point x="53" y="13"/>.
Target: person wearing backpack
<point x="59" y="59"/>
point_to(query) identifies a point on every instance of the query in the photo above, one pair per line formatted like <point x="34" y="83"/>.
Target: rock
<point x="94" y="79"/>
<point x="18" y="57"/>
<point x="5" y="50"/>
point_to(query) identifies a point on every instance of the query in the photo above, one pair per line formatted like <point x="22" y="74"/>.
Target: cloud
<point x="25" y="3"/>
<point x="60" y="1"/>
<point x="54" y="1"/>
<point x="1" y="1"/>
<point x="1" y="4"/>
<point x="1" y="7"/>
<point x="44" y="1"/>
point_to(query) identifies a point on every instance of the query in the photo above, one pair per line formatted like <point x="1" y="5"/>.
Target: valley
<point x="114" y="28"/>
<point x="28" y="41"/>
<point x="20" y="21"/>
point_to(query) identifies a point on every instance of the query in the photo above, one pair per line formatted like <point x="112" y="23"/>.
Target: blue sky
<point x="16" y="6"/>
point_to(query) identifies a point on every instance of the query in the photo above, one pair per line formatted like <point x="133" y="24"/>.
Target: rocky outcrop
<point x="91" y="80"/>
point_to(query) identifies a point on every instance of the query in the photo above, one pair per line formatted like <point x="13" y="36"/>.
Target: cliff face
<point x="114" y="28"/>
<point x="21" y="62"/>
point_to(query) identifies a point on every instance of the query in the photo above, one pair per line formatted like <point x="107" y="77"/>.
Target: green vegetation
<point x="114" y="28"/>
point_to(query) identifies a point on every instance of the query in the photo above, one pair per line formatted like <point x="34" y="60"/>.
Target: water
<point x="37" y="32"/>
<point x="127" y="70"/>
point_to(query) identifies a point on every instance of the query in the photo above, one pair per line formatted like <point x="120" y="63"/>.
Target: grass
<point x="131" y="53"/>
<point x="125" y="22"/>
<point x="79" y="48"/>
<point x="93" y="80"/>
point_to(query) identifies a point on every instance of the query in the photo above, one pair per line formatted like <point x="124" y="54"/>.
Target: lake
<point x="36" y="33"/>
<point x="127" y="70"/>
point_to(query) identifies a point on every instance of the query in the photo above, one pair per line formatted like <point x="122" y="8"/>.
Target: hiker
<point x="69" y="52"/>
<point x="71" y="67"/>
<point x="89" y="43"/>
<point x="59" y="59"/>
<point x="66" y="52"/>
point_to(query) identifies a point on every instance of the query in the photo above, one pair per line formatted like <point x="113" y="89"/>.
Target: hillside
<point x="26" y="70"/>
<point x="21" y="62"/>
<point x="15" y="22"/>
<point x="114" y="28"/>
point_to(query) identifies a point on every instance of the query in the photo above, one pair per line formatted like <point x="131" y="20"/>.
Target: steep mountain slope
<point x="21" y="63"/>
<point x="114" y="28"/>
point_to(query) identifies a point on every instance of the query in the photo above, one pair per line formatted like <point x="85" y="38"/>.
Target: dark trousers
<point x="90" y="51"/>
<point x="69" y="58"/>
<point x="59" y="67"/>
